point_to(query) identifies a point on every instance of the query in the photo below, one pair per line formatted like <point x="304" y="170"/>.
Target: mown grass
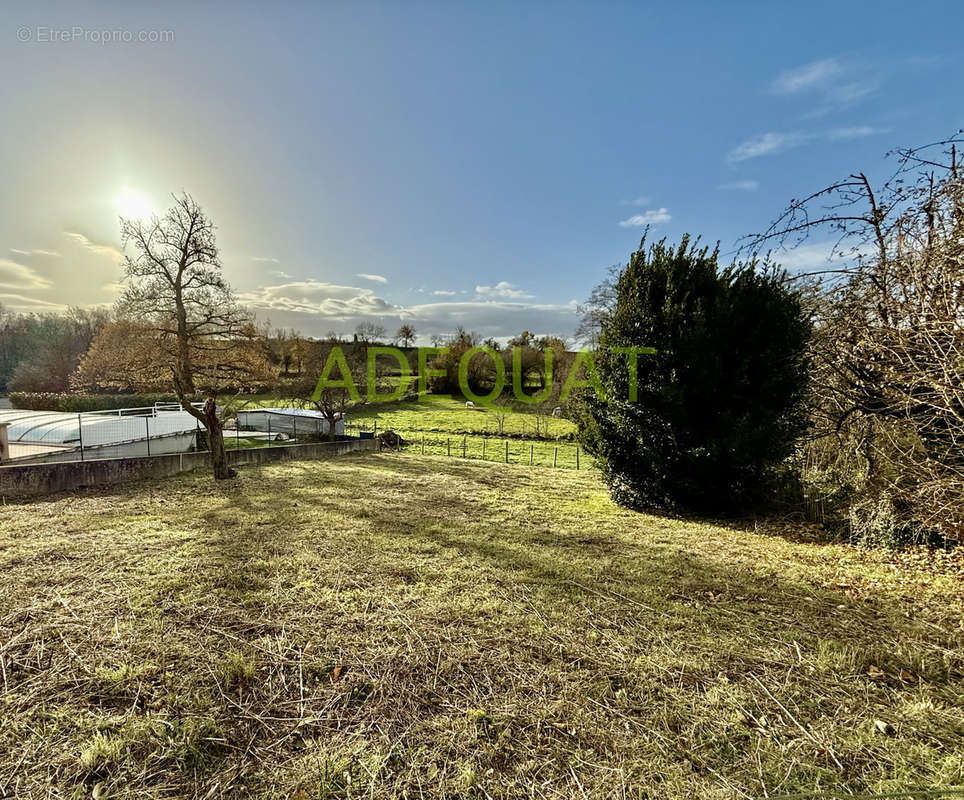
<point x="405" y="626"/>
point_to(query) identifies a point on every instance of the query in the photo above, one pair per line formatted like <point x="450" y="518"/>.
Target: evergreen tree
<point x="717" y="406"/>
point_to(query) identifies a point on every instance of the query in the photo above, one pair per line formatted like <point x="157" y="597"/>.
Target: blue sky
<point x="481" y="163"/>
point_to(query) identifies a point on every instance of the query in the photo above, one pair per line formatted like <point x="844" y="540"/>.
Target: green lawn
<point x="400" y="626"/>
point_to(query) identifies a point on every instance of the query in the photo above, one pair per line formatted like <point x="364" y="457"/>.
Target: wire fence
<point x="505" y="450"/>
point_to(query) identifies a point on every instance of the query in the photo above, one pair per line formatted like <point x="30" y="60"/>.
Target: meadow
<point x="405" y="626"/>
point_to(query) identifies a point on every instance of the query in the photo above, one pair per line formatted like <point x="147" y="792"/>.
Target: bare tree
<point x="597" y="308"/>
<point x="370" y="332"/>
<point x="405" y="335"/>
<point x="888" y="399"/>
<point x="175" y="288"/>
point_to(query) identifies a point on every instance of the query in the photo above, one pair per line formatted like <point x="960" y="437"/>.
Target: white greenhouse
<point x="292" y="422"/>
<point x="44" y="436"/>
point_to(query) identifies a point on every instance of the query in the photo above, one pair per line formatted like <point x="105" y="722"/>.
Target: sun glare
<point x="132" y="204"/>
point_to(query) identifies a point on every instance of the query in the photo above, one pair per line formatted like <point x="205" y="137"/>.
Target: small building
<point x="44" y="436"/>
<point x="292" y="422"/>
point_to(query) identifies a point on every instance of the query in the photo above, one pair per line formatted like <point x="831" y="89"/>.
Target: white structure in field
<point x="290" y="421"/>
<point x="44" y="436"/>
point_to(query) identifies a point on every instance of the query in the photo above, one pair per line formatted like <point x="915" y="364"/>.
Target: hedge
<point x="54" y="401"/>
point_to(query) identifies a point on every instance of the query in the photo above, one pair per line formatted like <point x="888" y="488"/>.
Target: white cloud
<point x="741" y="186"/>
<point x="18" y="302"/>
<point x="265" y="259"/>
<point x="443" y="293"/>
<point x="835" y="83"/>
<point x="815" y="75"/>
<point x="813" y="257"/>
<point x="18" y="276"/>
<point x="105" y="250"/>
<point x="651" y="217"/>
<point x="314" y="297"/>
<point x="766" y="144"/>
<point x="279" y="273"/>
<point x="48" y="253"/>
<point x="503" y="289"/>
<point x="856" y="132"/>
<point x="369" y="277"/>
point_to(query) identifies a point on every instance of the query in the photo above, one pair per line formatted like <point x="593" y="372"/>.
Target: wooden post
<point x="80" y="435"/>
<point x="147" y="427"/>
<point x="448" y="447"/>
<point x="423" y="444"/>
<point x="577" y="456"/>
<point x="506" y="451"/>
<point x="530" y="454"/>
<point x="464" y="442"/>
<point x="483" y="448"/>
<point x="555" y="455"/>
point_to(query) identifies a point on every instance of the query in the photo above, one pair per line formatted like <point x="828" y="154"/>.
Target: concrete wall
<point x="34" y="480"/>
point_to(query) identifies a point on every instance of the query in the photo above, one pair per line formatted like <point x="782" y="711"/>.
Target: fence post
<point x="294" y="427"/>
<point x="464" y="438"/>
<point x="577" y="456"/>
<point x="448" y="447"/>
<point x="506" y="451"/>
<point x="269" y="427"/>
<point x="147" y="425"/>
<point x="530" y="454"/>
<point x="483" y="448"/>
<point x="237" y="433"/>
<point x="555" y="455"/>
<point x="80" y="435"/>
<point x="423" y="444"/>
<point x="375" y="429"/>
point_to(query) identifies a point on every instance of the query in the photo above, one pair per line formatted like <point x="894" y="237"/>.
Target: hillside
<point x="414" y="626"/>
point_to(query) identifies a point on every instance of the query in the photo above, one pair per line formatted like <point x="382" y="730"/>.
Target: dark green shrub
<point x="718" y="404"/>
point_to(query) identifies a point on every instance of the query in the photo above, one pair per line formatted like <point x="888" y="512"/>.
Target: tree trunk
<point x="219" y="460"/>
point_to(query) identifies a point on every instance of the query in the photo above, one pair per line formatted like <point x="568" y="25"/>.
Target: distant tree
<point x="176" y="289"/>
<point x="480" y="371"/>
<point x="52" y="348"/>
<point x="370" y="333"/>
<point x="524" y="339"/>
<point x="719" y="404"/>
<point x="405" y="335"/>
<point x="598" y="308"/>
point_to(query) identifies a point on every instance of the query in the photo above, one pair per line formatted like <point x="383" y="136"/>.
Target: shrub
<point x="718" y="404"/>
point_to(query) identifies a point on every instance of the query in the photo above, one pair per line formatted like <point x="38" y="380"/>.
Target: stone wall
<point x="34" y="480"/>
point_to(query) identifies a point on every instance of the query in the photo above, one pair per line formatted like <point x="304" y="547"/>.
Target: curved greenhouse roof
<point x="61" y="429"/>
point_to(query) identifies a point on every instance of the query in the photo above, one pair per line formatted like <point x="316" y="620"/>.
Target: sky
<point x="441" y="164"/>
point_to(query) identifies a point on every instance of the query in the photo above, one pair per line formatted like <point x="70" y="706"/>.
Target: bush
<point x="58" y="401"/>
<point x="718" y="404"/>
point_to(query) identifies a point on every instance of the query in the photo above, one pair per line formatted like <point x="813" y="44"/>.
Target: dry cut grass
<point x="404" y="626"/>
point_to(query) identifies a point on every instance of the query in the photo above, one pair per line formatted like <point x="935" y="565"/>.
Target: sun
<point x="132" y="204"/>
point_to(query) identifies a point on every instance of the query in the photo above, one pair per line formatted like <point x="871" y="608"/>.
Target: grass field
<point x="441" y="415"/>
<point x="403" y="626"/>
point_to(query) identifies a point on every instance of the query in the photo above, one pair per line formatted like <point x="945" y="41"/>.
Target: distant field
<point x="403" y="626"/>
<point x="440" y="415"/>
